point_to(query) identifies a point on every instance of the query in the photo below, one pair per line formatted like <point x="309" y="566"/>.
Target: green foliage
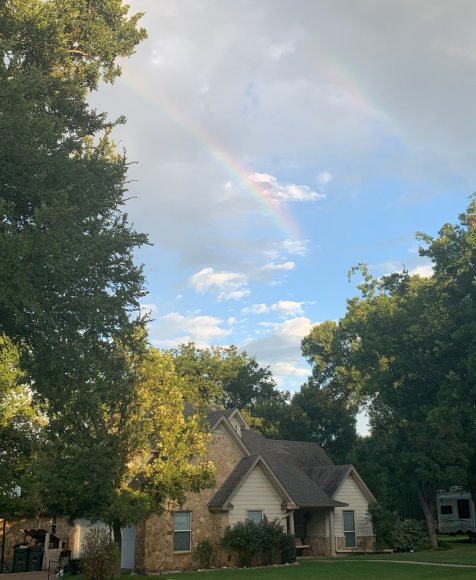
<point x="231" y="378"/>
<point x="253" y="540"/>
<point x="325" y="408"/>
<point x="205" y="553"/>
<point x="136" y="456"/>
<point x="409" y="535"/>
<point x="99" y="555"/>
<point x="288" y="549"/>
<point x="384" y="522"/>
<point x="20" y="432"/>
<point x="405" y="349"/>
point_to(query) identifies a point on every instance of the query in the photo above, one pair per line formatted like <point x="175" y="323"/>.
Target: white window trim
<point x="189" y="532"/>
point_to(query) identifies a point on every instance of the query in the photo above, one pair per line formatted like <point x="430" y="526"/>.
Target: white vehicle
<point x="456" y="512"/>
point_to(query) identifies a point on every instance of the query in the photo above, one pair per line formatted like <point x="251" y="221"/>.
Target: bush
<point x="409" y="535"/>
<point x="205" y="553"/>
<point x="288" y="549"/>
<point x="383" y="523"/>
<point x="252" y="540"/>
<point x="99" y="555"/>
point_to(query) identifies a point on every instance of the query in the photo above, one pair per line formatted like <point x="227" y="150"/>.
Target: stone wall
<point x="319" y="547"/>
<point x="14" y="534"/>
<point x="154" y="543"/>
<point x="364" y="544"/>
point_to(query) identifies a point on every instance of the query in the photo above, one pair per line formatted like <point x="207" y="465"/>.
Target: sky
<point x="274" y="144"/>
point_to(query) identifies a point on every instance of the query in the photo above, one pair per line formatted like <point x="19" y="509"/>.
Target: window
<point x="182" y="531"/>
<point x="255" y="516"/>
<point x="464" y="511"/>
<point x="349" y="529"/>
<point x="446" y="510"/>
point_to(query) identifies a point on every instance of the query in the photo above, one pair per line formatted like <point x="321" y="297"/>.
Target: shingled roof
<point x="300" y="469"/>
<point x="289" y="461"/>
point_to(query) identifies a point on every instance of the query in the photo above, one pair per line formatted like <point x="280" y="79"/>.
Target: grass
<point x="337" y="569"/>
<point x="355" y="567"/>
<point x="458" y="550"/>
<point x="363" y="567"/>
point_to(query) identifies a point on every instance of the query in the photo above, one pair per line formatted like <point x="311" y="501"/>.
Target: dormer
<point x="238" y="422"/>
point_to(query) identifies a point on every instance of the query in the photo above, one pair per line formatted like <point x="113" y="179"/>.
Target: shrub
<point x="99" y="555"/>
<point x="288" y="549"/>
<point x="205" y="553"/>
<point x="383" y="523"/>
<point x="252" y="540"/>
<point x="409" y="535"/>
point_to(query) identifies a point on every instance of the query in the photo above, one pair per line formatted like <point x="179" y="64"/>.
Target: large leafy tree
<point x="123" y="458"/>
<point x="231" y="378"/>
<point x="410" y="346"/>
<point x="325" y="407"/>
<point x="69" y="287"/>
<point x="20" y="428"/>
<point x="68" y="282"/>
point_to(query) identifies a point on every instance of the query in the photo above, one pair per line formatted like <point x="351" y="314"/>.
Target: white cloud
<point x="296" y="247"/>
<point x="277" y="51"/>
<point x="284" y="191"/>
<point x="284" y="307"/>
<point x="288" y="307"/>
<point x="283" y="267"/>
<point x="175" y="328"/>
<point x="227" y="285"/>
<point x="424" y="270"/>
<point x="281" y="349"/>
<point x="148" y="309"/>
<point x="256" y="309"/>
<point x="324" y="177"/>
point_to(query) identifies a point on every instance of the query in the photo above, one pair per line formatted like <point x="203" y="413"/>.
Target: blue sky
<point x="279" y="143"/>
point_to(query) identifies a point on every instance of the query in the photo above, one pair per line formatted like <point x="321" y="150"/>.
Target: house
<point x="295" y="482"/>
<point x="323" y="504"/>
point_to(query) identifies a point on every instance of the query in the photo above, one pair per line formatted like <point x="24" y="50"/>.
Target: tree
<point x="410" y="345"/>
<point x="68" y="282"/>
<point x="232" y="378"/>
<point x="20" y="429"/>
<point x="121" y="460"/>
<point x="326" y="405"/>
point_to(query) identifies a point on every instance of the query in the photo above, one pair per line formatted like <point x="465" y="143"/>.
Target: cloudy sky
<point x="279" y="143"/>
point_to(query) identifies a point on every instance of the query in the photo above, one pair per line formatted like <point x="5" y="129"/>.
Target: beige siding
<point x="351" y="494"/>
<point x="256" y="493"/>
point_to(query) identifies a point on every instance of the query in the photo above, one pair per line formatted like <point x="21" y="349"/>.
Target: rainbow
<point x="237" y="172"/>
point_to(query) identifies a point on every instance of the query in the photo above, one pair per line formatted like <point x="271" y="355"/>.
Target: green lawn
<point x="338" y="569"/>
<point x="454" y="551"/>
<point x="363" y="567"/>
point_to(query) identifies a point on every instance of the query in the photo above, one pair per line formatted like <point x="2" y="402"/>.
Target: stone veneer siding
<point x="14" y="534"/>
<point x="364" y="544"/>
<point x="154" y="538"/>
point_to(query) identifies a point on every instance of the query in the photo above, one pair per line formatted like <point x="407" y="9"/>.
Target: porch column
<point x="291" y="522"/>
<point x="332" y="533"/>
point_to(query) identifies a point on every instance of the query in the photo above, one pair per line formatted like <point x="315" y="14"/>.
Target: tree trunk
<point x="430" y="522"/>
<point x="117" y="536"/>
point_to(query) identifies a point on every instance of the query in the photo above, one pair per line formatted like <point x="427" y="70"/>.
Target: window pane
<point x="446" y="510"/>
<point x="254" y="515"/>
<point x="349" y="525"/>
<point x="181" y="521"/>
<point x="349" y="539"/>
<point x="181" y="541"/>
<point x="463" y="508"/>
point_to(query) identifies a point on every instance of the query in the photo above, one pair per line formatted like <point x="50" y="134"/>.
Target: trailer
<point x="456" y="512"/>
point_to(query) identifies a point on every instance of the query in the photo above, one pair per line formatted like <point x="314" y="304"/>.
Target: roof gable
<point x="223" y="497"/>
<point x="289" y="461"/>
